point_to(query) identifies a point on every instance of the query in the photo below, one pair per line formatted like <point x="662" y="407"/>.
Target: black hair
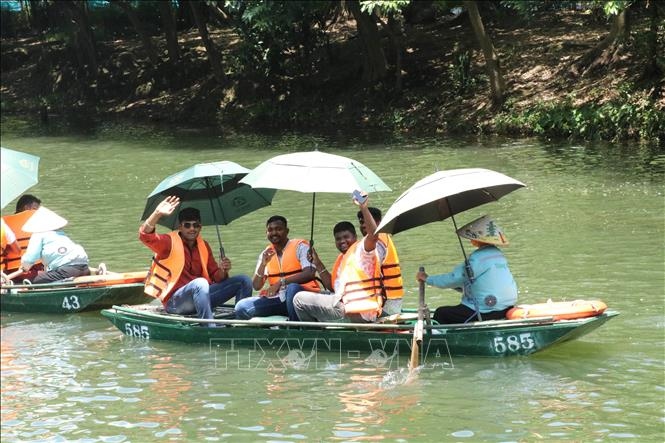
<point x="192" y="214"/>
<point x="26" y="200"/>
<point x="376" y="214"/>
<point x="344" y="226"/>
<point x="275" y="218"/>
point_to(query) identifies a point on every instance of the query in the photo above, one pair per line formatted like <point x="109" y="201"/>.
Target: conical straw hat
<point x="44" y="220"/>
<point x="485" y="230"/>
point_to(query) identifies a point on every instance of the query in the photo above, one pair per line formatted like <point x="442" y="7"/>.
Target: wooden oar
<point x="418" y="328"/>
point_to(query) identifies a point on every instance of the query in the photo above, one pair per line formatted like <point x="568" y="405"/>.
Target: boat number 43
<point x="513" y="343"/>
<point x="138" y="331"/>
<point x="70" y="302"/>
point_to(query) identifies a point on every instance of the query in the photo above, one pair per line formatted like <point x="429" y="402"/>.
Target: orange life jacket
<point x="288" y="265"/>
<point x="11" y="261"/>
<point x="361" y="293"/>
<point x="391" y="273"/>
<point x="335" y="269"/>
<point x="164" y="274"/>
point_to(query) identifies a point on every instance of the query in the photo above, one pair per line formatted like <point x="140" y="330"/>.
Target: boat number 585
<point x="513" y="343"/>
<point x="139" y="331"/>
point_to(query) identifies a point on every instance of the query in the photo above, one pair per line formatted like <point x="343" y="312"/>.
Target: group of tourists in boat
<point x="364" y="284"/>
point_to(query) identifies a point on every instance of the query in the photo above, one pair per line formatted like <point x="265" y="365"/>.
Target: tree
<point x="608" y="50"/>
<point x="170" y="32"/>
<point x="492" y="65"/>
<point x="213" y="55"/>
<point x="84" y="40"/>
<point x="375" y="65"/>
<point x="394" y="28"/>
<point x="140" y="30"/>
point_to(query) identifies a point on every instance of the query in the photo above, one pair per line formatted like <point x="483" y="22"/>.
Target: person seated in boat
<point x="345" y="236"/>
<point x="9" y="246"/>
<point x="285" y="267"/>
<point x="62" y="258"/>
<point x="391" y="272"/>
<point x="184" y="276"/>
<point x="11" y="260"/>
<point x="357" y="292"/>
<point x="490" y="290"/>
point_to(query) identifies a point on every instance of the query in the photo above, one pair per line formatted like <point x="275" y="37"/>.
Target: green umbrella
<point x="19" y="172"/>
<point x="213" y="189"/>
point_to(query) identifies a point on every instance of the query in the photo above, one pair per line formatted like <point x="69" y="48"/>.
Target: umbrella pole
<point x="214" y="215"/>
<point x="311" y="231"/>
<point x="467" y="265"/>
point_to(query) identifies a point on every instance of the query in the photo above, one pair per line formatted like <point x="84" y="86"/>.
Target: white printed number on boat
<point x="139" y="331"/>
<point x="71" y="302"/>
<point x="513" y="343"/>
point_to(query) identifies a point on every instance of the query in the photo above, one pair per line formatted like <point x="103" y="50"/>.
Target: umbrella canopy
<point x="444" y="194"/>
<point x="19" y="172"/>
<point x="213" y="189"/>
<point x="314" y="171"/>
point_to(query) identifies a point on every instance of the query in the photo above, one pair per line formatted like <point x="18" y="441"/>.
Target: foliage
<point x="383" y="6"/>
<point x="631" y="115"/>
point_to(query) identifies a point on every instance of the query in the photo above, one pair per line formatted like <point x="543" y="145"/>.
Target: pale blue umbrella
<point x="213" y="189"/>
<point x="19" y="172"/>
<point x="314" y="171"/>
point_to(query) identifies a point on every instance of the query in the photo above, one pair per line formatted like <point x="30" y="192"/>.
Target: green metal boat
<point x="494" y="338"/>
<point x="80" y="294"/>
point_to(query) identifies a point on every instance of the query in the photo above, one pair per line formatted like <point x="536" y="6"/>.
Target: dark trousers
<point x="61" y="273"/>
<point x="462" y="314"/>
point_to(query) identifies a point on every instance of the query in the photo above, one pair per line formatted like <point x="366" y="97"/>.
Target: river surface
<point x="589" y="224"/>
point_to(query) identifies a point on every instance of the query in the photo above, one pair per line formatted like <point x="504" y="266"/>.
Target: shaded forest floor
<point x="438" y="95"/>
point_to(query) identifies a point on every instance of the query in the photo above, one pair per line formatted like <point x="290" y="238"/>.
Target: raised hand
<point x="167" y="206"/>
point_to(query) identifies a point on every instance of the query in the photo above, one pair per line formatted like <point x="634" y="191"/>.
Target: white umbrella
<point x="314" y="171"/>
<point x="444" y="194"/>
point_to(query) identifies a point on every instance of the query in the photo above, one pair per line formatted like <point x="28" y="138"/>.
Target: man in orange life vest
<point x="391" y="273"/>
<point x="26" y="205"/>
<point x="184" y="268"/>
<point x="287" y="269"/>
<point x="356" y="279"/>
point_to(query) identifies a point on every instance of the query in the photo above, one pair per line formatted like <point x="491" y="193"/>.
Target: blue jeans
<point x="265" y="306"/>
<point x="200" y="297"/>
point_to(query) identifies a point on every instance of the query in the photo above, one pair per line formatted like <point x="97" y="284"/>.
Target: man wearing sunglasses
<point x="184" y="274"/>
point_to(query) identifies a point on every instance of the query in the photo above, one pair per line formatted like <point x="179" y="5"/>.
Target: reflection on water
<point x="589" y="224"/>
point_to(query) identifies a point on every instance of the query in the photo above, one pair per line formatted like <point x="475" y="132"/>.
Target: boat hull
<point x="440" y="342"/>
<point x="70" y="299"/>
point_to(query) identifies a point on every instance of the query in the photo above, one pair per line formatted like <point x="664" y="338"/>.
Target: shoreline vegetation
<point x="557" y="69"/>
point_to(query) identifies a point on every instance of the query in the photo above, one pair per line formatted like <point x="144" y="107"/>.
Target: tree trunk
<point x="374" y="60"/>
<point x="653" y="69"/>
<point x="84" y="37"/>
<point x="607" y="51"/>
<point x="396" y="32"/>
<point x="213" y="56"/>
<point x="492" y="65"/>
<point x="170" y="32"/>
<point x="145" y="38"/>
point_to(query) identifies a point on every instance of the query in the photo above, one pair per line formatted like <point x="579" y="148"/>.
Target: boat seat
<point x="269" y="319"/>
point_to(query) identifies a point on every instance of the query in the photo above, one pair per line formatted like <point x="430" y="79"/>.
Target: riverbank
<point x="444" y="86"/>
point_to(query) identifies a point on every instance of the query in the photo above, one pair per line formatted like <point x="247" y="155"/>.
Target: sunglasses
<point x="195" y="225"/>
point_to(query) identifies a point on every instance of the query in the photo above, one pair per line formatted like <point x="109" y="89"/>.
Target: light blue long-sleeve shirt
<point x="493" y="287"/>
<point x="55" y="249"/>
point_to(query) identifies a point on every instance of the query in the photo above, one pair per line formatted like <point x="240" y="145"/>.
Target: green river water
<point x="589" y="224"/>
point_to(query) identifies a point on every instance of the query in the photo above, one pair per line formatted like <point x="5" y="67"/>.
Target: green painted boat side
<point x="70" y="299"/>
<point x="440" y="342"/>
